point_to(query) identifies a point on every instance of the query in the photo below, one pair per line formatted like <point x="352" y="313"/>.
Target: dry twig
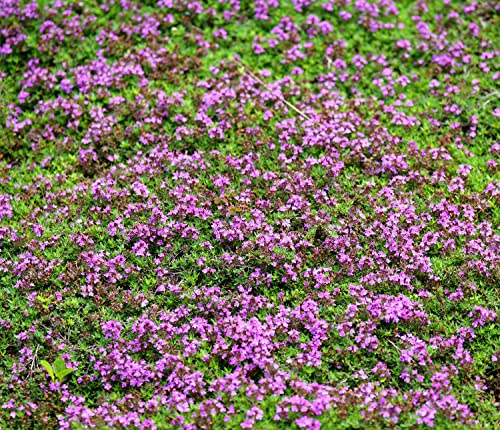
<point x="260" y="81"/>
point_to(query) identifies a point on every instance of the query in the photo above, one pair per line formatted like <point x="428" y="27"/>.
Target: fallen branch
<point x="260" y="81"/>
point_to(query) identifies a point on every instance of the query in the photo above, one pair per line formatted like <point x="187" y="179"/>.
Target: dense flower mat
<point x="234" y="214"/>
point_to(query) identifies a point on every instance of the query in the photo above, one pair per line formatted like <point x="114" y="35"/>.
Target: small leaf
<point x="233" y="210"/>
<point x="59" y="365"/>
<point x="63" y="373"/>
<point x="48" y="368"/>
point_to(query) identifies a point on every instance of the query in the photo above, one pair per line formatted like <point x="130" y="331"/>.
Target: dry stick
<point x="35" y="358"/>
<point x="394" y="345"/>
<point x="253" y="75"/>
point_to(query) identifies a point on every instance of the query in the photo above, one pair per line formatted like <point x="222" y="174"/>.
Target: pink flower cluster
<point x="302" y="232"/>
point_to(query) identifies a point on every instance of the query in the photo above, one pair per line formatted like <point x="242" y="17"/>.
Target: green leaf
<point x="48" y="368"/>
<point x="59" y="365"/>
<point x="63" y="373"/>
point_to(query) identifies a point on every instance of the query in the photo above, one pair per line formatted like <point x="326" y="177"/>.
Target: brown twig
<point x="260" y="81"/>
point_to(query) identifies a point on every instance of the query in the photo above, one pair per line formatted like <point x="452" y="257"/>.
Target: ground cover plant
<point x="234" y="214"/>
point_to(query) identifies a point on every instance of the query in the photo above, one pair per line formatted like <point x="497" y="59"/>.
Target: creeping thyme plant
<point x="258" y="214"/>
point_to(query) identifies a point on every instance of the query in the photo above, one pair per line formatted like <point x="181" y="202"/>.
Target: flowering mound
<point x="234" y="214"/>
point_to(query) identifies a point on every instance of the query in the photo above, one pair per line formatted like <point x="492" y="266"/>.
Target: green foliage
<point x="57" y="370"/>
